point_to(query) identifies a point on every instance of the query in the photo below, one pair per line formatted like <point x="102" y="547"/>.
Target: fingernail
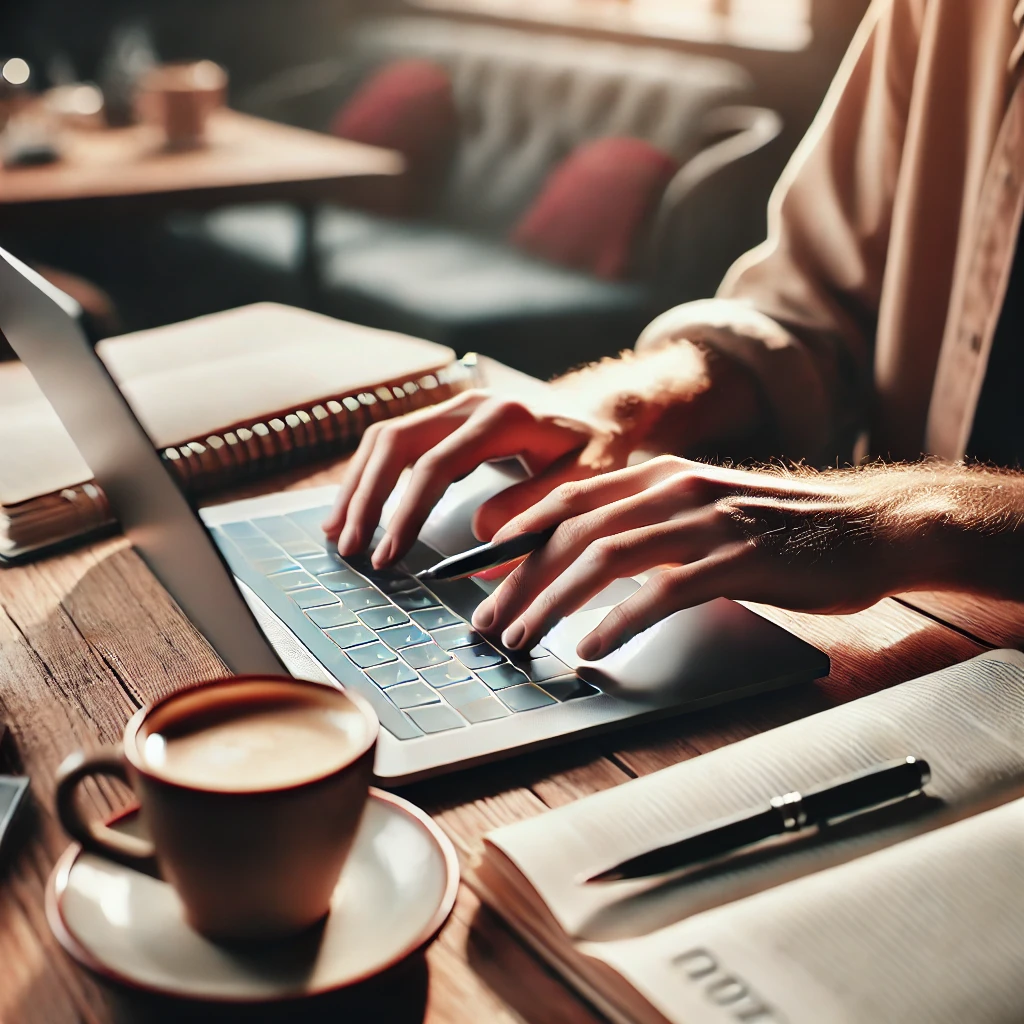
<point x="350" y="542"/>
<point x="589" y="648"/>
<point x="484" y="614"/>
<point x="513" y="636"/>
<point x="384" y="553"/>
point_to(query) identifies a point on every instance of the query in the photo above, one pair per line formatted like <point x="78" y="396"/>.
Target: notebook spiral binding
<point x="326" y="429"/>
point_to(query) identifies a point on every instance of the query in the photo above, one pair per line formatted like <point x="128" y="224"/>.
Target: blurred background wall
<point x="597" y="161"/>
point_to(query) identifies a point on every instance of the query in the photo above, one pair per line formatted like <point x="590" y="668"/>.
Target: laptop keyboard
<point x="412" y="644"/>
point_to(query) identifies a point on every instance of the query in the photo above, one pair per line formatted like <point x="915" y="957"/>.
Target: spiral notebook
<point x="225" y="397"/>
<point x="861" y="922"/>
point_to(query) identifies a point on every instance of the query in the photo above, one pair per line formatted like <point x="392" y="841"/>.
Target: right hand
<point x="445" y="442"/>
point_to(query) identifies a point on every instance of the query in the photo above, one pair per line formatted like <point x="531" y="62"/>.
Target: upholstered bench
<point x="525" y="102"/>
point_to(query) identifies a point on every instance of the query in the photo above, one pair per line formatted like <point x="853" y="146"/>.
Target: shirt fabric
<point x="872" y="307"/>
<point x="997" y="435"/>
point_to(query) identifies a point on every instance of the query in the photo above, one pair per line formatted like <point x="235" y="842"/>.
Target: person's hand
<point x="829" y="542"/>
<point x="445" y="442"/>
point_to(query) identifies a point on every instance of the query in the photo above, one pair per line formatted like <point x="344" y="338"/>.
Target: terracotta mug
<point x="179" y="99"/>
<point x="251" y="790"/>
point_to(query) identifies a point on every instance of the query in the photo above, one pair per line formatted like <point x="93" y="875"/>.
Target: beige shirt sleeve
<point x="801" y="309"/>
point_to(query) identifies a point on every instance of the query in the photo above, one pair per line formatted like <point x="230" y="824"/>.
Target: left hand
<point x="825" y="542"/>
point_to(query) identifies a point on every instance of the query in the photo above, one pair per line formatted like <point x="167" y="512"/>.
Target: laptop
<point x="259" y="580"/>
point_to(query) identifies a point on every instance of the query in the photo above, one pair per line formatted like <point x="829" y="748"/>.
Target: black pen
<point x="791" y="812"/>
<point x="486" y="556"/>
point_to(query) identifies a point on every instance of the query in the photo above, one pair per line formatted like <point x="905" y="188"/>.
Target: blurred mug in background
<point x="179" y="98"/>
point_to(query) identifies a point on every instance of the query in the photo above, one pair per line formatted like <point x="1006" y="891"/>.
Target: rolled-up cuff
<point x="793" y="389"/>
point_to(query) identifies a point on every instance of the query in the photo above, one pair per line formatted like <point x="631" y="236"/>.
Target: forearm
<point x="682" y="398"/>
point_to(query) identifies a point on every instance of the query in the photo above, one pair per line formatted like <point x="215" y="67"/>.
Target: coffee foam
<point x="252" y="736"/>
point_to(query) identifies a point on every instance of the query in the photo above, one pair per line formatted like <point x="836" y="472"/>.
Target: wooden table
<point x="87" y="637"/>
<point x="114" y="172"/>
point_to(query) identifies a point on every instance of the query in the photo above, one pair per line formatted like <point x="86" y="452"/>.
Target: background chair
<point x="524" y="104"/>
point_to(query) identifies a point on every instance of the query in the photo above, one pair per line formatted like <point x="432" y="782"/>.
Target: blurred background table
<point x="117" y="172"/>
<point x="108" y="176"/>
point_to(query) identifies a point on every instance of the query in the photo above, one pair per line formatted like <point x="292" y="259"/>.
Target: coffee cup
<point x="251" y="790"/>
<point x="179" y="98"/>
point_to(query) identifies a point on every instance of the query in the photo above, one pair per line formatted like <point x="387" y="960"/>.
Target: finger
<point x="497" y="511"/>
<point x="716" y="575"/>
<point x="653" y="505"/>
<point x="494" y="431"/>
<point x="395" y="448"/>
<point x="607" y="559"/>
<point x="390" y="442"/>
<point x="335" y="522"/>
<point x="575" y="498"/>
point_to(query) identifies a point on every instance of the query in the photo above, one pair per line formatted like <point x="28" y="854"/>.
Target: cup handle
<point x="94" y="836"/>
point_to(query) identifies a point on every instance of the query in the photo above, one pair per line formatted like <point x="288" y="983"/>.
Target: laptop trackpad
<point x="564" y="637"/>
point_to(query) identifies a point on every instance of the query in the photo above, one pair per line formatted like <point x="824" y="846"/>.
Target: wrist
<point x="683" y="398"/>
<point x="965" y="521"/>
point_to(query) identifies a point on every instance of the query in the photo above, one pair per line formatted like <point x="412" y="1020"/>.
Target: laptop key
<point x="310" y="521"/>
<point x="340" y="580"/>
<point x="360" y="600"/>
<point x="412" y="695"/>
<point x="351" y="636"/>
<point x="414" y="600"/>
<point x="392" y="674"/>
<point x="392" y="583"/>
<point x="446" y="674"/>
<point x="480" y="656"/>
<point x="424" y="655"/>
<point x="292" y="579"/>
<point x="300" y="547"/>
<point x="541" y="669"/>
<point x="462" y="596"/>
<point x="465" y="693"/>
<point x="487" y="709"/>
<point x="280" y="529"/>
<point x="456" y="636"/>
<point x="500" y="676"/>
<point x="361" y="562"/>
<point x="329" y="615"/>
<point x="436" y="718"/>
<point x="435" y="618"/>
<point x="319" y="564"/>
<point x="400" y="637"/>
<point x="276" y="563"/>
<point x="313" y="597"/>
<point x="256" y="550"/>
<point x="381" y="618"/>
<point x="240" y="531"/>
<point x="371" y="654"/>
<point x="525" y="697"/>
<point x="568" y="688"/>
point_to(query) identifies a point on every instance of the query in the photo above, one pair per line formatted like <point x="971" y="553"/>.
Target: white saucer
<point x="396" y="891"/>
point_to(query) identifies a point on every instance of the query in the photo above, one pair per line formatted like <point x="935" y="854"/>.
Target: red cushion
<point x="595" y="204"/>
<point x="407" y="106"/>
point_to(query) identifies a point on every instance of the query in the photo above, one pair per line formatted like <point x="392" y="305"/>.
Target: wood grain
<point x="88" y="636"/>
<point x="989" y="619"/>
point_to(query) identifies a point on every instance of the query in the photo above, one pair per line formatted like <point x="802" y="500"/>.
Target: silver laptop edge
<point x="152" y="510"/>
